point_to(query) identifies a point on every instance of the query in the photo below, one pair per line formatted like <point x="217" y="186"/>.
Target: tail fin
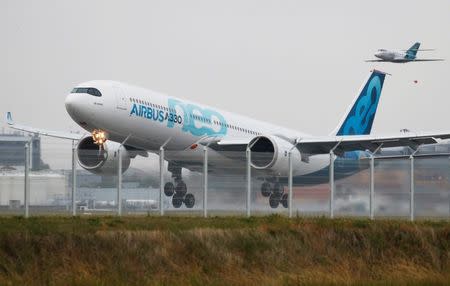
<point x="359" y="118"/>
<point x="411" y="52"/>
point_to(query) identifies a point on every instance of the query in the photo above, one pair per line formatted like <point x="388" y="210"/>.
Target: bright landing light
<point x="99" y="137"/>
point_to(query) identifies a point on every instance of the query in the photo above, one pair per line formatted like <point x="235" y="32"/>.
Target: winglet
<point x="9" y="119"/>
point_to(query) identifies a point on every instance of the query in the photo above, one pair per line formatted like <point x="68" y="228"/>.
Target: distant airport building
<point x="46" y="187"/>
<point x="12" y="151"/>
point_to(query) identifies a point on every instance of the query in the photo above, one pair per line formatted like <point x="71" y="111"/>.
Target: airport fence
<point x="410" y="185"/>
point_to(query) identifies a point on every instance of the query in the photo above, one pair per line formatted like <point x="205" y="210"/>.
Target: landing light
<point x="99" y="137"/>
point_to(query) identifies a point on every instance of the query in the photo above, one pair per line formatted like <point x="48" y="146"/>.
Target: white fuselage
<point x="150" y="119"/>
<point x="393" y="56"/>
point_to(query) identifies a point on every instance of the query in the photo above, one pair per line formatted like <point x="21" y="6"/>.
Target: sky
<point x="297" y="64"/>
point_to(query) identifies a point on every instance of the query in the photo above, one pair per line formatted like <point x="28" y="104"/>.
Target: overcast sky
<point x="293" y="63"/>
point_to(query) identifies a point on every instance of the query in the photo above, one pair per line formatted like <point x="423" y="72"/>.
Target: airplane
<point x="404" y="56"/>
<point x="138" y="121"/>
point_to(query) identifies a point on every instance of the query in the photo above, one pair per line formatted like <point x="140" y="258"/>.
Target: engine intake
<point x="271" y="152"/>
<point x="263" y="152"/>
<point x="101" y="159"/>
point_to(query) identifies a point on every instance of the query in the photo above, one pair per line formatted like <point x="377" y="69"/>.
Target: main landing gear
<point x="275" y="192"/>
<point x="178" y="190"/>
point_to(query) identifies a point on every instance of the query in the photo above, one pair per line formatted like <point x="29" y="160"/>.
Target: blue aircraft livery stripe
<point x="194" y="119"/>
<point x="360" y="118"/>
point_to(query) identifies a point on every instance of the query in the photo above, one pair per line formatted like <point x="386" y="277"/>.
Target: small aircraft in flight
<point x="403" y="56"/>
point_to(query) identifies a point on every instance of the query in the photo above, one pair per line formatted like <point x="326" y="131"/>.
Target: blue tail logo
<point x="412" y="52"/>
<point x="360" y="118"/>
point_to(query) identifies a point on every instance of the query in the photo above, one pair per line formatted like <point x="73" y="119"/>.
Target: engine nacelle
<point x="102" y="160"/>
<point x="272" y="153"/>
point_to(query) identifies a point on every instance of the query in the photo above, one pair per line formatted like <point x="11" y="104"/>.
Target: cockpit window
<point x="88" y="90"/>
<point x="94" y="92"/>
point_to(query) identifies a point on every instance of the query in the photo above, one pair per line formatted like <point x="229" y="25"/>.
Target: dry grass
<point x="222" y="251"/>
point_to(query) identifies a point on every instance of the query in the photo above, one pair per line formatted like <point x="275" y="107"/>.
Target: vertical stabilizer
<point x="412" y="52"/>
<point x="359" y="117"/>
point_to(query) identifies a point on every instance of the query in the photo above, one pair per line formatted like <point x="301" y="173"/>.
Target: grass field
<point x="269" y="250"/>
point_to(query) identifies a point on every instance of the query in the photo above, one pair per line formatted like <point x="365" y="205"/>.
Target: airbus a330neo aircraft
<point x="404" y="56"/>
<point x="114" y="112"/>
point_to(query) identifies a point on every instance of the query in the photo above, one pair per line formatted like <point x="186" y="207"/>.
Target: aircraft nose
<point x="71" y="103"/>
<point x="76" y="106"/>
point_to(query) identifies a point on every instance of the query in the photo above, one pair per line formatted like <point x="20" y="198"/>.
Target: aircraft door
<point x="121" y="99"/>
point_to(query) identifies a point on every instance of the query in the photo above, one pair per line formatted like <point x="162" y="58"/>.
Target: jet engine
<point x="272" y="153"/>
<point x="102" y="159"/>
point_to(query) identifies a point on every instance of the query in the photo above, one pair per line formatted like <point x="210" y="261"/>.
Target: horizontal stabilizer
<point x="428" y="60"/>
<point x="421" y="50"/>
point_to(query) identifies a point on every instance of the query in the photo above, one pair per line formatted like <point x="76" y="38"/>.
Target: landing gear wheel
<point x="274" y="200"/>
<point x="284" y="201"/>
<point x="181" y="189"/>
<point x="189" y="201"/>
<point x="177" y="200"/>
<point x="266" y="189"/>
<point x="278" y="189"/>
<point x="169" y="189"/>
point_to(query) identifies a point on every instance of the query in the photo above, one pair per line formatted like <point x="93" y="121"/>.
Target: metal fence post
<point x="27" y="179"/>
<point x="119" y="182"/>
<point x="161" y="180"/>
<point x="205" y="181"/>
<point x="372" y="186"/>
<point x="249" y="180"/>
<point x="372" y="182"/>
<point x="74" y="179"/>
<point x="290" y="194"/>
<point x="119" y="176"/>
<point x="332" y="158"/>
<point x="411" y="200"/>
<point x="161" y="176"/>
<point x="30" y="163"/>
<point x="331" y="184"/>
<point x="290" y="183"/>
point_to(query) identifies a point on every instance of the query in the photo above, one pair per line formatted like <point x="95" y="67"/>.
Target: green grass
<point x="270" y="250"/>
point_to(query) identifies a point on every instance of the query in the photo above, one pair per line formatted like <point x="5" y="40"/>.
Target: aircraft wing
<point x="229" y="145"/>
<point x="372" y="61"/>
<point x="428" y="60"/>
<point x="237" y="141"/>
<point x="56" y="134"/>
<point x="343" y="144"/>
